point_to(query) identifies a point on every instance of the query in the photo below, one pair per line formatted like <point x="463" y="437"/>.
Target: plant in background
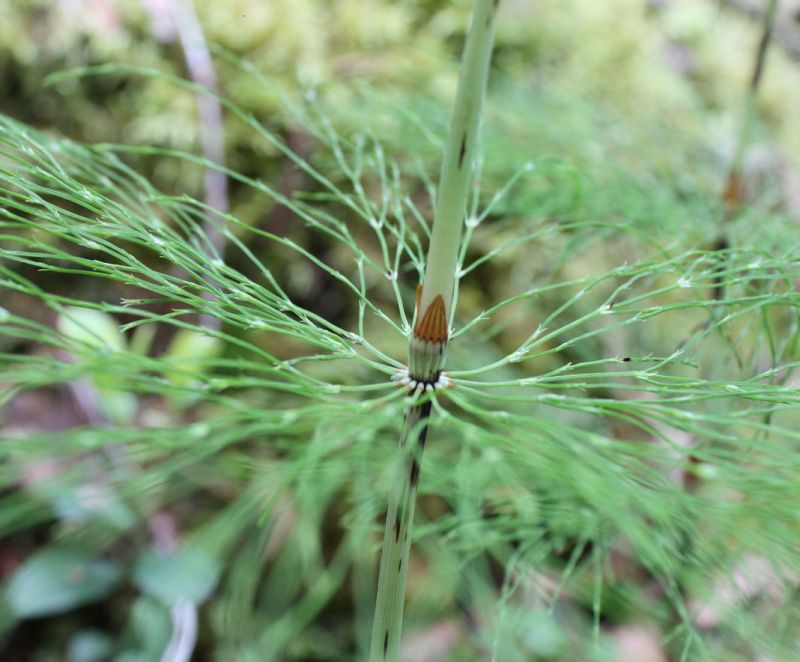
<point x="733" y="189"/>
<point x="245" y="474"/>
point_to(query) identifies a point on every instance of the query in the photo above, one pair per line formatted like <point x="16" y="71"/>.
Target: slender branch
<point x="786" y="36"/>
<point x="733" y="190"/>
<point x="431" y="329"/>
<point x="733" y="193"/>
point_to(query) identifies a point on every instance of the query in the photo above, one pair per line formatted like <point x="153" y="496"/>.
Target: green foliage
<point x="186" y="575"/>
<point x="619" y="446"/>
<point x="59" y="579"/>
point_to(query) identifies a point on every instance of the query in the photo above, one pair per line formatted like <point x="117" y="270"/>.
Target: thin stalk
<point x="432" y="328"/>
<point x="732" y="193"/>
<point x="733" y="190"/>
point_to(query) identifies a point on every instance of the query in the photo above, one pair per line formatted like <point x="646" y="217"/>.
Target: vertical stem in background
<point x="733" y="195"/>
<point x="179" y="16"/>
<point x="733" y="191"/>
<point x="212" y="133"/>
<point x="431" y="330"/>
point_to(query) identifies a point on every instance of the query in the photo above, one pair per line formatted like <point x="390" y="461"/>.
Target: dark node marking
<point x="399" y="565"/>
<point x="496" y="2"/>
<point x="761" y="57"/>
<point x="463" y="151"/>
<point x="424" y="415"/>
<point x="626" y="359"/>
<point x="414" y="473"/>
<point x="396" y="528"/>
<point x="385" y="641"/>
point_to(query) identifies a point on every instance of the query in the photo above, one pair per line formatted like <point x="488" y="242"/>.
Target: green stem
<point x="431" y="329"/>
<point x="733" y="185"/>
<point x="733" y="192"/>
<point x="387" y="626"/>
<point x="451" y="196"/>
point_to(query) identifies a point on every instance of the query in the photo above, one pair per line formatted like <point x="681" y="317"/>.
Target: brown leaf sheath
<point x="433" y="325"/>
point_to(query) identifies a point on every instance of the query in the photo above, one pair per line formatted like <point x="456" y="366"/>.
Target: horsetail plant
<point x="562" y="461"/>
<point x="430" y="334"/>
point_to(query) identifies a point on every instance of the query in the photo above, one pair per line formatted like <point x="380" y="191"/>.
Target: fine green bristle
<point x="618" y="447"/>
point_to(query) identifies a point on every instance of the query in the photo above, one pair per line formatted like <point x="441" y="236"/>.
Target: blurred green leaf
<point x="147" y="632"/>
<point x="89" y="501"/>
<point x="89" y="646"/>
<point x="119" y="406"/>
<point x="142" y="339"/>
<point x="91" y="327"/>
<point x="58" y="580"/>
<point x="100" y="331"/>
<point x="188" y="353"/>
<point x="189" y="574"/>
<point x="543" y="636"/>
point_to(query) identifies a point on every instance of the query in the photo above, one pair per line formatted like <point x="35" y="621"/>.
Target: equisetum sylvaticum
<point x="431" y="327"/>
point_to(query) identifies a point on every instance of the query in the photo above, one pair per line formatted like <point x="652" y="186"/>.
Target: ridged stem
<point x="451" y="195"/>
<point x="388" y="623"/>
<point x="431" y="329"/>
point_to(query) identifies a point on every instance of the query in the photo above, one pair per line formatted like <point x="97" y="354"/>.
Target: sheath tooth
<point x="433" y="325"/>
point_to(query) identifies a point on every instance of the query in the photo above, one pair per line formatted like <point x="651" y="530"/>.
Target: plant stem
<point x="733" y="191"/>
<point x="451" y="197"/>
<point x="733" y="195"/>
<point x="388" y="622"/>
<point x="431" y="329"/>
<point x="212" y="134"/>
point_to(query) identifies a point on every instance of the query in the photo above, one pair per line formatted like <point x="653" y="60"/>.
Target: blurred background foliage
<point x="677" y="66"/>
<point x="630" y="109"/>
